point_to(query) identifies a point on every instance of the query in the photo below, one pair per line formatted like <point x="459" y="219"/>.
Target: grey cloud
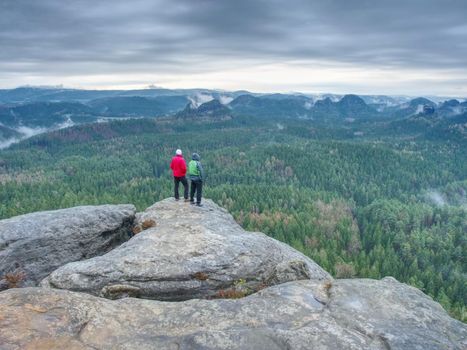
<point x="75" y="37"/>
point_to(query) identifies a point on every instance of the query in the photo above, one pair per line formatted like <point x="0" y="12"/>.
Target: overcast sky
<point x="373" y="47"/>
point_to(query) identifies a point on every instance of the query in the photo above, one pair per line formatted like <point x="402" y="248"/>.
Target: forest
<point x="362" y="200"/>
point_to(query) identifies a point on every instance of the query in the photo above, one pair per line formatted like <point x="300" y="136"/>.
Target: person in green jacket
<point x="196" y="176"/>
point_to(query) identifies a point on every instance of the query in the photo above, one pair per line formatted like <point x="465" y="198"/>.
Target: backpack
<point x="193" y="168"/>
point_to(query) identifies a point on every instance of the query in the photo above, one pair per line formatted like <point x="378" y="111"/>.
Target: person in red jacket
<point x="178" y="167"/>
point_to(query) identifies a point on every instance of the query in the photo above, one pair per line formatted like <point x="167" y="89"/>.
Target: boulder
<point x="307" y="314"/>
<point x="189" y="252"/>
<point x="34" y="245"/>
<point x="395" y="315"/>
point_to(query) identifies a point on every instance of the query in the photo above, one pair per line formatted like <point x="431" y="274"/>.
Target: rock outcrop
<point x="191" y="252"/>
<point x="200" y="254"/>
<point x="347" y="314"/>
<point x="34" y="245"/>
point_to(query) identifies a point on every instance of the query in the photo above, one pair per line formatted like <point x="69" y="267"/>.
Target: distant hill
<point x="412" y="107"/>
<point x="452" y="107"/>
<point x="36" y="94"/>
<point x="32" y="94"/>
<point x="284" y="106"/>
<point x="421" y="101"/>
<point x="382" y="102"/>
<point x="431" y="124"/>
<point x="57" y="107"/>
<point x="354" y="106"/>
<point x="44" y="114"/>
<point x="349" y="106"/>
<point x="325" y="108"/>
<point x="212" y="110"/>
<point x="138" y="106"/>
<point x="48" y="114"/>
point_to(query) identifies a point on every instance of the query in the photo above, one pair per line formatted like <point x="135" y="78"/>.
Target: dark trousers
<point x="177" y="181"/>
<point x="196" y="186"/>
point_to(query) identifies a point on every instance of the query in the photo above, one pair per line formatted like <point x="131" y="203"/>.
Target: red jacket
<point x="178" y="166"/>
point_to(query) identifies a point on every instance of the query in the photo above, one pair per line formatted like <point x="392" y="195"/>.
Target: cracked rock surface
<point x="191" y="252"/>
<point x="36" y="244"/>
<point x="190" y="255"/>
<point x="346" y="314"/>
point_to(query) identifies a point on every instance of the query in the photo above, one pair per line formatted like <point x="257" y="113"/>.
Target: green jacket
<point x="195" y="171"/>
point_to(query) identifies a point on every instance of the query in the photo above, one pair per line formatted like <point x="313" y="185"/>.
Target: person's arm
<point x="201" y="171"/>
<point x="172" y="164"/>
<point x="183" y="167"/>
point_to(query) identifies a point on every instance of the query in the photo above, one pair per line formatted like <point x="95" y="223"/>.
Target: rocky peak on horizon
<point x="213" y="109"/>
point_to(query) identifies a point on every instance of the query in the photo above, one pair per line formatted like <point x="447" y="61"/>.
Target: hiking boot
<point x="192" y="202"/>
<point x="199" y="205"/>
<point x="177" y="199"/>
<point x="186" y="200"/>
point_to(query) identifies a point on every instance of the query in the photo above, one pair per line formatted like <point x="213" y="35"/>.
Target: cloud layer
<point x="356" y="46"/>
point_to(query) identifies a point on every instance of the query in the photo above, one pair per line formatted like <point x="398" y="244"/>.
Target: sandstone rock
<point x="396" y="315"/>
<point x="347" y="314"/>
<point x="38" y="243"/>
<point x="190" y="253"/>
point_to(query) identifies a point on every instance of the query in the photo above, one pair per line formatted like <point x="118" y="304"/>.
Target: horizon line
<point x="154" y="87"/>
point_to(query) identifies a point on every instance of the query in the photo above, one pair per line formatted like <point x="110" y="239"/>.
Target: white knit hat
<point x="178" y="152"/>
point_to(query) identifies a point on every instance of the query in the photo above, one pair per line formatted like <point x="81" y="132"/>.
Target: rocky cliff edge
<point x="192" y="278"/>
